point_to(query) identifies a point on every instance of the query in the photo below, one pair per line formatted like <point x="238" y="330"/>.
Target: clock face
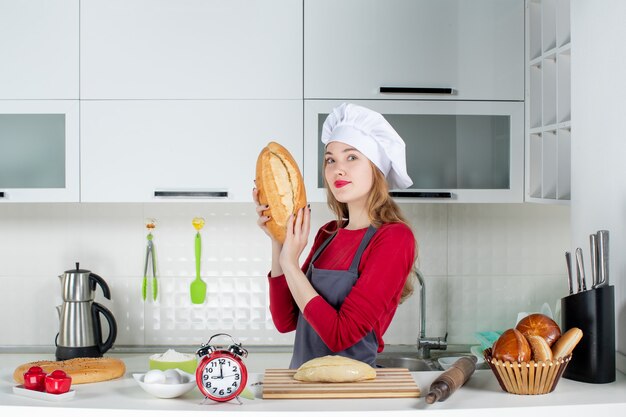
<point x="221" y="377"/>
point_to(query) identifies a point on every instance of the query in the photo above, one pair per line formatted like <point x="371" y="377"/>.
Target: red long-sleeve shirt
<point x="373" y="301"/>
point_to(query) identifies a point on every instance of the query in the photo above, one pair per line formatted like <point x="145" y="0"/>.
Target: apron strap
<point x="322" y="247"/>
<point x="354" y="267"/>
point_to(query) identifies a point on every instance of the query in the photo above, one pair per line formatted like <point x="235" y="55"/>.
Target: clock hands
<point x="221" y="375"/>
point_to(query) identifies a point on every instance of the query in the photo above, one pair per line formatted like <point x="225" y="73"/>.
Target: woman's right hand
<point x="260" y="208"/>
<point x="276" y="245"/>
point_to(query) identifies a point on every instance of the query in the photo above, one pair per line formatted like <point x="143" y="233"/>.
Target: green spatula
<point x="198" y="287"/>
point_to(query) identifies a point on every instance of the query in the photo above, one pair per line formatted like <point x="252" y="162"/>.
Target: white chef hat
<point x="373" y="136"/>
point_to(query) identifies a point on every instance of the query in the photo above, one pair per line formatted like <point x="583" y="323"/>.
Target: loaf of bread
<point x="280" y="186"/>
<point x="539" y="348"/>
<point x="512" y="346"/>
<point x="539" y="325"/>
<point x="566" y="343"/>
<point x="82" y="370"/>
<point x="334" y="369"/>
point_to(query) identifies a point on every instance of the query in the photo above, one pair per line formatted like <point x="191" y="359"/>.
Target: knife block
<point x="593" y="312"/>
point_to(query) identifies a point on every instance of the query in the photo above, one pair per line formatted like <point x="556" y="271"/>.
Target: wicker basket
<point x="527" y="378"/>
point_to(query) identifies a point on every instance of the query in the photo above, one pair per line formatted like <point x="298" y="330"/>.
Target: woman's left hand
<point x="296" y="238"/>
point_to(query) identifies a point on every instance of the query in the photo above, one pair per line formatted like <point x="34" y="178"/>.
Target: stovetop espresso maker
<point x="80" y="330"/>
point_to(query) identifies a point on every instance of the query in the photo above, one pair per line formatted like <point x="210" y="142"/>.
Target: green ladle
<point x="198" y="287"/>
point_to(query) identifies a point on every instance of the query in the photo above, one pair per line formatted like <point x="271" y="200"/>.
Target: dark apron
<point x="334" y="287"/>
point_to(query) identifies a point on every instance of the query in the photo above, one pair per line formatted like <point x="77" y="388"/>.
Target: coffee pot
<point x="80" y="330"/>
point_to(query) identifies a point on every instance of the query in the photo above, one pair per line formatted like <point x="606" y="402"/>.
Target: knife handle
<point x="593" y="246"/>
<point x="580" y="270"/>
<point x="568" y="263"/>
<point x="603" y="258"/>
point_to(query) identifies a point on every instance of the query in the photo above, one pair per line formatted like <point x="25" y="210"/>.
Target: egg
<point x="154" y="376"/>
<point x="172" y="377"/>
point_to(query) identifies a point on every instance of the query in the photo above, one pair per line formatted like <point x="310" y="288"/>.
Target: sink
<point x="413" y="364"/>
<point x="407" y="358"/>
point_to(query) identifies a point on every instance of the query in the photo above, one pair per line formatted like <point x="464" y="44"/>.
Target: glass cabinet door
<point x="39" y="151"/>
<point x="459" y="151"/>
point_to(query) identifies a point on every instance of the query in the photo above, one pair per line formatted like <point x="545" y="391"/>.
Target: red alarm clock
<point x="221" y="374"/>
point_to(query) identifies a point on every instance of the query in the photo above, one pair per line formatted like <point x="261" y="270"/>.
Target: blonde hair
<point x="381" y="209"/>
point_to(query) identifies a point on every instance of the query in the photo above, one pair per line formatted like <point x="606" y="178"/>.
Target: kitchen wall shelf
<point x="548" y="101"/>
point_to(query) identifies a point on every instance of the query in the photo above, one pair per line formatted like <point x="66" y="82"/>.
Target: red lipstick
<point x="341" y="183"/>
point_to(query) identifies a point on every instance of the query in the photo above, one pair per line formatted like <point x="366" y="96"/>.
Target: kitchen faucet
<point x="425" y="344"/>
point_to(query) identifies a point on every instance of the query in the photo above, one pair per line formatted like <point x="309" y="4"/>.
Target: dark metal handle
<point x="96" y="310"/>
<point x="420" y="194"/>
<point x="418" y="90"/>
<point x="191" y="194"/>
<point x="1" y="194"/>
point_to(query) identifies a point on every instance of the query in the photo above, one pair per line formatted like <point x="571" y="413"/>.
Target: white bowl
<point x="168" y="390"/>
<point x="448" y="361"/>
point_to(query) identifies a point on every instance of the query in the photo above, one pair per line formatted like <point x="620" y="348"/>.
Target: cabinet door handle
<point x="1" y="194"/>
<point x="418" y="90"/>
<point x="191" y="194"/>
<point x="420" y="194"/>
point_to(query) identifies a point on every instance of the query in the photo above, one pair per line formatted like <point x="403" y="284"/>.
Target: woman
<point x="342" y="300"/>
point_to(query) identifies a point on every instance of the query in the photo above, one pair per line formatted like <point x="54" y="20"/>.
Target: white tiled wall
<point x="482" y="264"/>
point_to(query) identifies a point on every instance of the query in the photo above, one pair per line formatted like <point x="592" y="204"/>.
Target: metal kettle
<point x="80" y="329"/>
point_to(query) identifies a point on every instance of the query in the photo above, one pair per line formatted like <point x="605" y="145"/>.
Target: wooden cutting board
<point x="389" y="383"/>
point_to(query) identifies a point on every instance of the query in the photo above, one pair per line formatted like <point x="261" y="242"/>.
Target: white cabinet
<point x="353" y="48"/>
<point x="193" y="49"/>
<point x="132" y="149"/>
<point x="548" y="102"/>
<point x="458" y="152"/>
<point x="39" y="49"/>
<point x="39" y="151"/>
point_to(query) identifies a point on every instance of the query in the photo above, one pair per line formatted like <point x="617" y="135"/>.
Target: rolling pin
<point x="452" y="379"/>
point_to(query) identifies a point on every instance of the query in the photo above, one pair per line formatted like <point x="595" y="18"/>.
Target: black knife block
<point x="593" y="312"/>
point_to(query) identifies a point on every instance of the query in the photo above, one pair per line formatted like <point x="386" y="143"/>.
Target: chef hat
<point x="373" y="136"/>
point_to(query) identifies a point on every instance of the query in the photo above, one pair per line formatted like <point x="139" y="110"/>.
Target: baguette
<point x="82" y="370"/>
<point x="280" y="186"/>
<point x="540" y="348"/>
<point x="566" y="343"/>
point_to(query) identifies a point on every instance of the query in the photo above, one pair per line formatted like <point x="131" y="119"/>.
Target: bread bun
<point x="540" y="349"/>
<point x="566" y="343"/>
<point x="82" y="370"/>
<point x="280" y="186"/>
<point x="511" y="346"/>
<point x="539" y="325"/>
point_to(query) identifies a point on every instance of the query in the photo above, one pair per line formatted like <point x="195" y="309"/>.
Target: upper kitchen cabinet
<point x="39" y="49"/>
<point x="456" y="151"/>
<point x="180" y="150"/>
<point x="39" y="151"/>
<point x="396" y="49"/>
<point x="195" y="49"/>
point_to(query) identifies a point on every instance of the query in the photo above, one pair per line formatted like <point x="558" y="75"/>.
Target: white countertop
<point x="481" y="396"/>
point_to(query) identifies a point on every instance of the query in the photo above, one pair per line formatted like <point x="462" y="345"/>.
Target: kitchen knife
<point x="593" y="246"/>
<point x="580" y="270"/>
<point x="603" y="258"/>
<point x="568" y="263"/>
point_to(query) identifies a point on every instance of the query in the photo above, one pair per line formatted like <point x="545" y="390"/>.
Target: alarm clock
<point x="221" y="374"/>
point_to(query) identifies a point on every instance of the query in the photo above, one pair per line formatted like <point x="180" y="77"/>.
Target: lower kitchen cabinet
<point x="39" y="153"/>
<point x="191" y="150"/>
